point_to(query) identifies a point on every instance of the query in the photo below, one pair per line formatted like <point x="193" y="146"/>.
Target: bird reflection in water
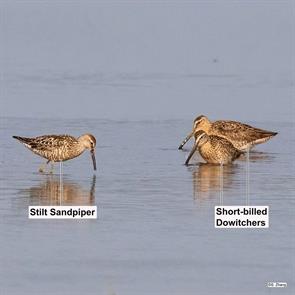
<point x="257" y="156"/>
<point x="206" y="179"/>
<point x="48" y="193"/>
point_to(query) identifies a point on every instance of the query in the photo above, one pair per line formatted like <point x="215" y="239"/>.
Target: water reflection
<point x="207" y="179"/>
<point x="255" y="156"/>
<point x="48" y="193"/>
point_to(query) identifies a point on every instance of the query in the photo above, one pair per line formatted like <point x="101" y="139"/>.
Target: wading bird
<point x="242" y="136"/>
<point x="213" y="149"/>
<point x="59" y="148"/>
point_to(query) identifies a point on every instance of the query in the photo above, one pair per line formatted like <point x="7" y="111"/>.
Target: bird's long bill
<point x="191" y="153"/>
<point x="93" y="159"/>
<point x="186" y="140"/>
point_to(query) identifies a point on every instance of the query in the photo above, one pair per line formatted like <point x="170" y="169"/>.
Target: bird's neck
<point x="80" y="148"/>
<point x="205" y="127"/>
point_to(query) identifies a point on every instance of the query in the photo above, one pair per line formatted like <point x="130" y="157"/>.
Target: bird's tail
<point x="266" y="133"/>
<point x="23" y="139"/>
<point x="263" y="136"/>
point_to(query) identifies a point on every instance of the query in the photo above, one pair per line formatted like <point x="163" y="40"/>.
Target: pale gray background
<point x="148" y="60"/>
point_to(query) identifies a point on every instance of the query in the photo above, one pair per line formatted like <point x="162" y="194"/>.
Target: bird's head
<point x="201" y="137"/>
<point x="88" y="141"/>
<point x="201" y="123"/>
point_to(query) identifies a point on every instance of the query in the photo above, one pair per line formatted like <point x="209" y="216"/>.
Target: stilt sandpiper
<point x="59" y="148"/>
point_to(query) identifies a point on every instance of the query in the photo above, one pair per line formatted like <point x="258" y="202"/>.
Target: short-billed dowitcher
<point x="242" y="136"/>
<point x="213" y="149"/>
<point x="59" y="148"/>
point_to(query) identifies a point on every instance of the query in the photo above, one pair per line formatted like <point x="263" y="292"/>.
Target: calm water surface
<point x="155" y="232"/>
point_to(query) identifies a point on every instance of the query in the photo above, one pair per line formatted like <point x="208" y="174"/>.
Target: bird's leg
<point x="42" y="168"/>
<point x="51" y="167"/>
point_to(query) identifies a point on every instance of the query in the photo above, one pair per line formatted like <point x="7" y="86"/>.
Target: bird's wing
<point x="50" y="142"/>
<point x="217" y="141"/>
<point x="235" y="130"/>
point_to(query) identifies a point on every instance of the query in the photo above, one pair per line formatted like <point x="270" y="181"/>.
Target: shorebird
<point x="242" y="136"/>
<point x="59" y="148"/>
<point x="213" y="149"/>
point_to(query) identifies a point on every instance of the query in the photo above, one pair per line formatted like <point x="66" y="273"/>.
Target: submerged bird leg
<point x="42" y="167"/>
<point x="51" y="167"/>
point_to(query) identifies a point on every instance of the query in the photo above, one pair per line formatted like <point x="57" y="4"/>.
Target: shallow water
<point x="155" y="231"/>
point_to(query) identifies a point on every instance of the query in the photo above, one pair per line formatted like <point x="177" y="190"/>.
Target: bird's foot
<point x="42" y="168"/>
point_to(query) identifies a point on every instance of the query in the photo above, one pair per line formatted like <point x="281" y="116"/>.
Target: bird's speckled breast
<point x="217" y="151"/>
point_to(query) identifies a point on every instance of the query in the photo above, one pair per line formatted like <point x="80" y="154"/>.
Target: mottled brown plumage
<point x="214" y="149"/>
<point x="242" y="136"/>
<point x="58" y="148"/>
